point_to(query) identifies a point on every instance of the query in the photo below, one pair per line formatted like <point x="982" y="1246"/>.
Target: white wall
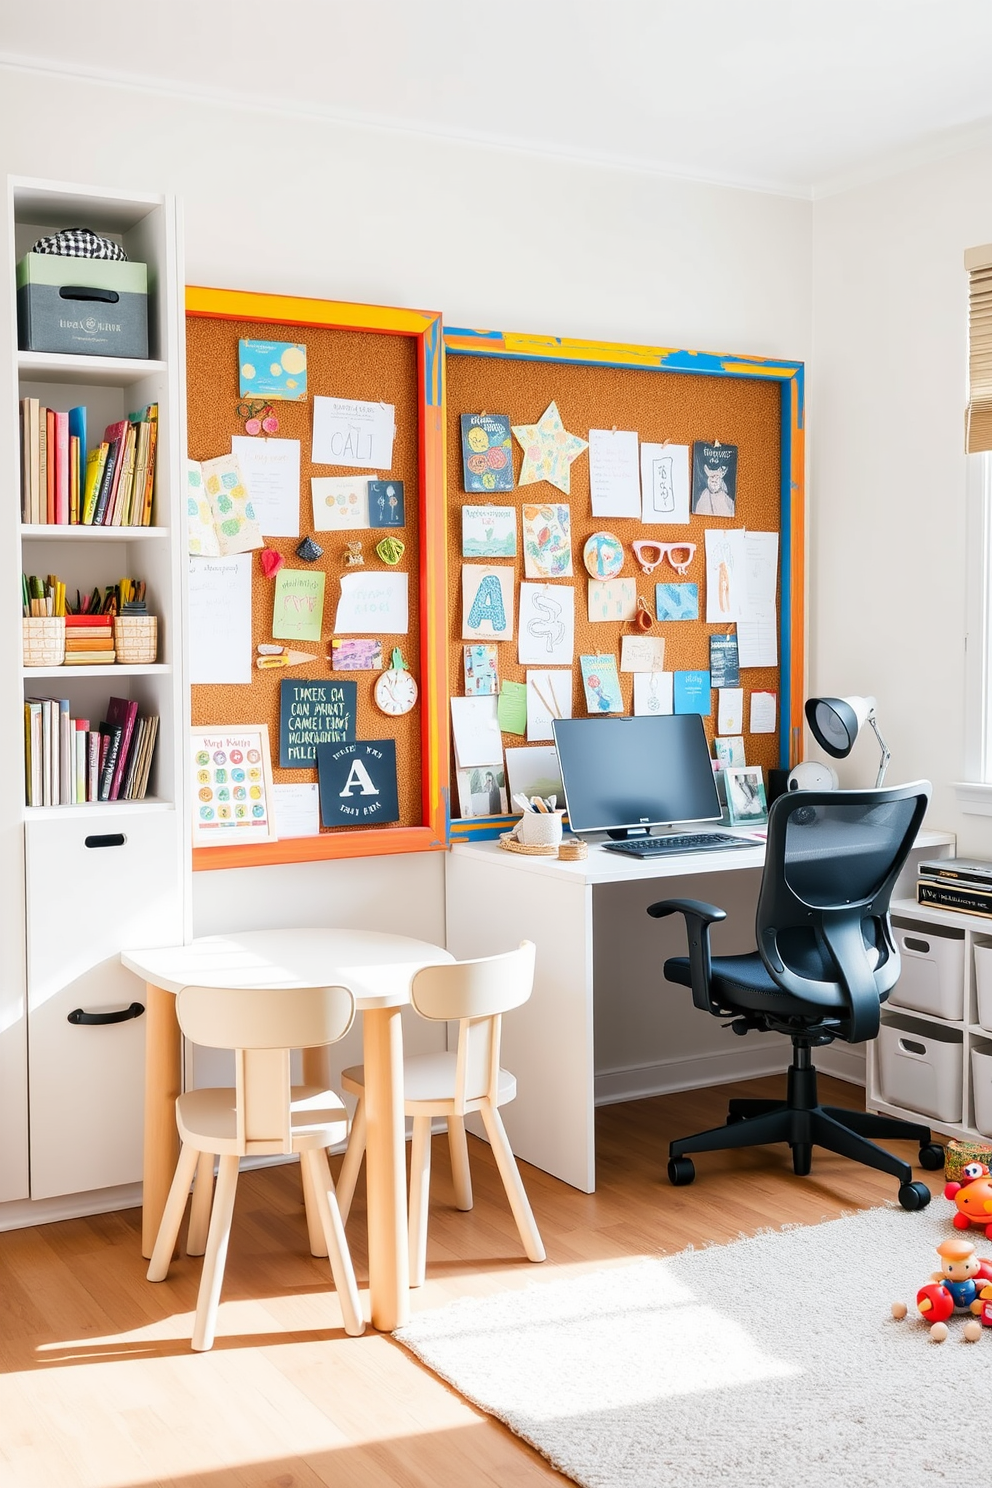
<point x="888" y="469"/>
<point x="493" y="239"/>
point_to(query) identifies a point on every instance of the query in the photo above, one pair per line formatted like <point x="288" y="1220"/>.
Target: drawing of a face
<point x="714" y="478"/>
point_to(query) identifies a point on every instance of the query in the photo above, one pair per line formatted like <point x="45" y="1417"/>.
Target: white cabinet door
<point x="95" y="886"/>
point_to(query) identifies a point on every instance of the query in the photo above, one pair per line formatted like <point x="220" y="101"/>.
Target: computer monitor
<point x="626" y="775"/>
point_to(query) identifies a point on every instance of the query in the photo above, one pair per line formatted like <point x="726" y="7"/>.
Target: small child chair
<point x="262" y="1114"/>
<point x="475" y="994"/>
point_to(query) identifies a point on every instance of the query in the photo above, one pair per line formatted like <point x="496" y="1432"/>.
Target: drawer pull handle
<point x="79" y="1017"/>
<point x="105" y="839"/>
<point x="912" y="944"/>
<point x="910" y="1046"/>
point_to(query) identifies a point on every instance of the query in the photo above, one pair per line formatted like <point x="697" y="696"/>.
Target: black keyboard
<point x="682" y="842"/>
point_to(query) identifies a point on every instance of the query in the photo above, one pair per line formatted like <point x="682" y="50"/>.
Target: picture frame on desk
<point x="746" y="803"/>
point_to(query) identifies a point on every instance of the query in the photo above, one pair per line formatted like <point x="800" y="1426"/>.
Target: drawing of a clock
<point x="395" y="689"/>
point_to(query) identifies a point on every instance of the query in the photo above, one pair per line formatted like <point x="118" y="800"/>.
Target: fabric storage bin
<point x="932" y="976"/>
<point x="136" y="639"/>
<point x="920" y="1067"/>
<point x="92" y="306"/>
<point x="983" y="983"/>
<point x="981" y="1086"/>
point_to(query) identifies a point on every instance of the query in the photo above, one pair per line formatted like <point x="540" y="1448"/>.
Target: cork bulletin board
<point x="370" y="354"/>
<point x="666" y="397"/>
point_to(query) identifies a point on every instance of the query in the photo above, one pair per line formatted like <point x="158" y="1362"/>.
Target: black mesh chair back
<point x="831" y="862"/>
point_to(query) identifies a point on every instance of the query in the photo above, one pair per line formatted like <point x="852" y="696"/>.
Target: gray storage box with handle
<point x="88" y="306"/>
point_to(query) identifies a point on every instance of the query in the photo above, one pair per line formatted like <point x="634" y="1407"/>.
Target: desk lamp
<point x="836" y="722"/>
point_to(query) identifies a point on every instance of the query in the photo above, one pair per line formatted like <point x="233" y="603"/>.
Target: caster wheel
<point x="802" y="1158"/>
<point x="914" y="1196"/>
<point x="932" y="1156"/>
<point x="680" y="1171"/>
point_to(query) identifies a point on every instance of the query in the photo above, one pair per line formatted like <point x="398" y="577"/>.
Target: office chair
<point x="825" y="963"/>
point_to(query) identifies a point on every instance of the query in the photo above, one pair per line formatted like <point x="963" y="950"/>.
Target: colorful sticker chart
<point x="231" y="786"/>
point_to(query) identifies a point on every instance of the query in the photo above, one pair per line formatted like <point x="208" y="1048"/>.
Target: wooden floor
<point x="98" y="1386"/>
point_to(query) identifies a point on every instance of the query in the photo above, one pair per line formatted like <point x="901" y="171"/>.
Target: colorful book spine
<point x="62" y="469"/>
<point x="96" y="464"/>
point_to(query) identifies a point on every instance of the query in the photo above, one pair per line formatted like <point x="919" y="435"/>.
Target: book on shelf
<point x="47" y="455"/>
<point x="958" y="870"/>
<point x="96" y="464"/>
<point x="68" y="763"/>
<point x="961" y="897"/>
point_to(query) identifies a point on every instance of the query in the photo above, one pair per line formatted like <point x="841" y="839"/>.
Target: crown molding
<point x="385" y="123"/>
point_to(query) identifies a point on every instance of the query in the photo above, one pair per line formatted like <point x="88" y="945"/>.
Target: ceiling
<point x="793" y="96"/>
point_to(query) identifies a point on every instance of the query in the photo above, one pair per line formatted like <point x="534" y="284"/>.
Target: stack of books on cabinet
<point x="68" y="763"/>
<point x="961" y="884"/>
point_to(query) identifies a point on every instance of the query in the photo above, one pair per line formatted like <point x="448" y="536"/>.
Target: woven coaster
<point x="529" y="850"/>
<point x="573" y="850"/>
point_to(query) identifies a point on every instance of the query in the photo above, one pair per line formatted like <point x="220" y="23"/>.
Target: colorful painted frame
<point x="425" y="328"/>
<point x="513" y="346"/>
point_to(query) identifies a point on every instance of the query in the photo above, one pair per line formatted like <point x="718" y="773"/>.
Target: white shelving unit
<point x="967" y="1029"/>
<point x="90" y="879"/>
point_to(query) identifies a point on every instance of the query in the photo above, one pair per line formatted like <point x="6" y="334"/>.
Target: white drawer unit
<point x="95" y="885"/>
<point x="933" y="1057"/>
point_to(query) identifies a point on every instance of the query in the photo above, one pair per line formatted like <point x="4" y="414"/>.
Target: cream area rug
<point x="773" y="1362"/>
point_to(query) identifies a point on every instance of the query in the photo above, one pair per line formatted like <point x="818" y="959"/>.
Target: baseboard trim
<point x="21" y="1214"/>
<point x="665" y="1077"/>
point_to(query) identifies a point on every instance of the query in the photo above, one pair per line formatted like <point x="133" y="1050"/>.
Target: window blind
<point x="978" y="420"/>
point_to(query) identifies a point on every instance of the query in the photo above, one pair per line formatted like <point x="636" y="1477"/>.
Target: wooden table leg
<point x="163" y="1051"/>
<point x="389" y="1263"/>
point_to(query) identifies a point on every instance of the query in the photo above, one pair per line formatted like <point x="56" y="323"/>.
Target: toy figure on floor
<point x="973" y="1198"/>
<point x="963" y="1284"/>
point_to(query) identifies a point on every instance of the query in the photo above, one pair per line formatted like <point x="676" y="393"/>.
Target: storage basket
<point x="136" y="639"/>
<point x="44" y="640"/>
<point x="931" y="979"/>
<point x="958" y="1152"/>
<point x="921" y="1067"/>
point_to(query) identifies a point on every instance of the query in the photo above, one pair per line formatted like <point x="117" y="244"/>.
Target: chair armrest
<point x="698" y="919"/>
<point x="707" y="914"/>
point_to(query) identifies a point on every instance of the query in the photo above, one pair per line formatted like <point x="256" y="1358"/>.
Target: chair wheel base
<point x="932" y="1156"/>
<point x="914" y="1196"/>
<point x="681" y="1171"/>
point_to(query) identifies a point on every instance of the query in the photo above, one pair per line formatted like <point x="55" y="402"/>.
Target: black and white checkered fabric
<point x="80" y="242"/>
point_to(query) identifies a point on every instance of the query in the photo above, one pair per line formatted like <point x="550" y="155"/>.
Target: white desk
<point x="378" y="968"/>
<point x="598" y="952"/>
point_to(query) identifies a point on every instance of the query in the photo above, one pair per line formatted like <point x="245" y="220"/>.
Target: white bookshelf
<point x="93" y="879"/>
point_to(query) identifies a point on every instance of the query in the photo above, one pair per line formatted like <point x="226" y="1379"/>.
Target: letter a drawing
<point x="487" y="606"/>
<point x="359" y="779"/>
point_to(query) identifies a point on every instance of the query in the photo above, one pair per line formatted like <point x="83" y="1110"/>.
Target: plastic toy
<point x="963" y="1284"/>
<point x="973" y="1198"/>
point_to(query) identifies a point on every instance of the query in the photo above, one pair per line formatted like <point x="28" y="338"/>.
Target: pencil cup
<point x="540" y="828"/>
<point x="44" y="640"/>
<point x="136" y="639"/>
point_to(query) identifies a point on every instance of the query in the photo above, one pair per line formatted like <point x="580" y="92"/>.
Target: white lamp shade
<point x="836" y="722"/>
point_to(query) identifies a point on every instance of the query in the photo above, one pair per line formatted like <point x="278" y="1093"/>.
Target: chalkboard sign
<point x="312" y="713"/>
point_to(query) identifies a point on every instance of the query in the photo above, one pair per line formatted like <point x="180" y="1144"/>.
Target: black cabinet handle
<point x="105" y="839"/>
<point x="83" y="292"/>
<point x="134" y="1011"/>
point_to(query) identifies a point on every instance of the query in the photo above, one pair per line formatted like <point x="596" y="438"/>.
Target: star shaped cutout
<point x="548" y="450"/>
